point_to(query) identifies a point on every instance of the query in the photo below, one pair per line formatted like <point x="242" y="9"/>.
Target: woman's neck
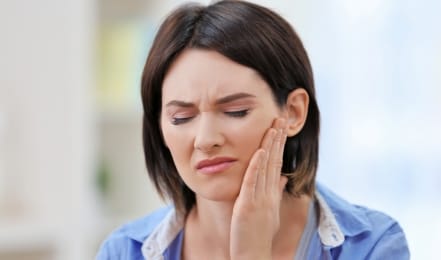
<point x="208" y="225"/>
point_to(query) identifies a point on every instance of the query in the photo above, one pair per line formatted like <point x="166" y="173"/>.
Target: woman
<point x="230" y="132"/>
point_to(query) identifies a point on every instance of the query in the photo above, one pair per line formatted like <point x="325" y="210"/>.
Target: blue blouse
<point x="343" y="231"/>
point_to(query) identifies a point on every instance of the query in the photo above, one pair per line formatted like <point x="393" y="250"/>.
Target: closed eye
<point x="180" y="120"/>
<point x="239" y="113"/>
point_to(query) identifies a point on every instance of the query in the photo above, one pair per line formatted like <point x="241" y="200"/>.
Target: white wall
<point x="46" y="89"/>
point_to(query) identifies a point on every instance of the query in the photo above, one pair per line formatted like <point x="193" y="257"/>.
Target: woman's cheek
<point x="249" y="135"/>
<point x="172" y="138"/>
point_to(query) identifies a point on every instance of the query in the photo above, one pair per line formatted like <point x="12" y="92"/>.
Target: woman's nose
<point x="208" y="134"/>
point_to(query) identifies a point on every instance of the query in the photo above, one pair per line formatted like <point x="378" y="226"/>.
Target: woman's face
<point x="215" y="113"/>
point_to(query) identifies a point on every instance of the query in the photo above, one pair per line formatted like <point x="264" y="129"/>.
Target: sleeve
<point x="119" y="247"/>
<point x="107" y="251"/>
<point x="391" y="245"/>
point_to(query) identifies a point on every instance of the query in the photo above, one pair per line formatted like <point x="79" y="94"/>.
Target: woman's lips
<point x="215" y="165"/>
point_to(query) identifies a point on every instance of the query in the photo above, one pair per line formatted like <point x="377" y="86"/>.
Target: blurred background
<point x="71" y="163"/>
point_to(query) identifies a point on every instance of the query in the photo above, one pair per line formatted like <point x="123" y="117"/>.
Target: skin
<point x="214" y="107"/>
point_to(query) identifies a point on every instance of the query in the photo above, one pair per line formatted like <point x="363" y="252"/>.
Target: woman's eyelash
<point x="180" y="120"/>
<point x="240" y="113"/>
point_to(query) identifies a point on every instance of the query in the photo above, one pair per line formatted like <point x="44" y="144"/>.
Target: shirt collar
<point x="328" y="229"/>
<point x="350" y="219"/>
<point x="163" y="235"/>
<point x="337" y="219"/>
<point x="140" y="229"/>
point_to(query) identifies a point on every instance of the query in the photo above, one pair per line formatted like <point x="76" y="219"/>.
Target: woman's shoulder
<point x="125" y="241"/>
<point x="364" y="230"/>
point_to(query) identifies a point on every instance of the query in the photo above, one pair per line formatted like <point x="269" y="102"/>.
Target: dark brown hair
<point x="248" y="34"/>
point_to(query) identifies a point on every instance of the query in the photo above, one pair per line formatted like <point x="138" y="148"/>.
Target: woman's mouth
<point x="215" y="165"/>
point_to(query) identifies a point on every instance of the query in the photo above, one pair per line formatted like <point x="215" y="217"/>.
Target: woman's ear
<point x="296" y="111"/>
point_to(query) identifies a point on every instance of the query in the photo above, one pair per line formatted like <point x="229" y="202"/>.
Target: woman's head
<point x="204" y="68"/>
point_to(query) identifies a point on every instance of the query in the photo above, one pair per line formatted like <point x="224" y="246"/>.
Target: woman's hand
<point x="255" y="219"/>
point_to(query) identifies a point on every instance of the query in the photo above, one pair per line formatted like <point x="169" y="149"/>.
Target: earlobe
<point x="296" y="110"/>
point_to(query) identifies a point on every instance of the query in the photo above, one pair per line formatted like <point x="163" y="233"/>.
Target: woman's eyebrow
<point x="179" y="103"/>
<point x="223" y="100"/>
<point x="233" y="97"/>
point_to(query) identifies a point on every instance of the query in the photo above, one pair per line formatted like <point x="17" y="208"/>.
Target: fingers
<point x="267" y="143"/>
<point x="263" y="175"/>
<point x="273" y="143"/>
<point x="252" y="174"/>
<point x="275" y="160"/>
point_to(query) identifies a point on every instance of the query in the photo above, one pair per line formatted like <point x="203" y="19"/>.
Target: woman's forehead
<point x="201" y="72"/>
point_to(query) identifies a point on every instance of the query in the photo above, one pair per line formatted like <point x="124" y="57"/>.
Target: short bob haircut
<point x="250" y="35"/>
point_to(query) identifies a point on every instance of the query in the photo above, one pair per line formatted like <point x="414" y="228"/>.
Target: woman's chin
<point x="222" y="194"/>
